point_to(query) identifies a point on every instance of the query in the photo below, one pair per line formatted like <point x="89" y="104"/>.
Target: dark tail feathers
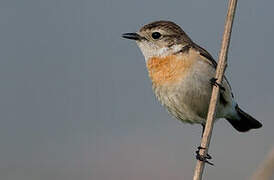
<point x="245" y="123"/>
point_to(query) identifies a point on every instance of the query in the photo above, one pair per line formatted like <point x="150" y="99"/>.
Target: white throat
<point x="151" y="50"/>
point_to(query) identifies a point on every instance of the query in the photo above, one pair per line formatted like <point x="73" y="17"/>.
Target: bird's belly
<point x="188" y="100"/>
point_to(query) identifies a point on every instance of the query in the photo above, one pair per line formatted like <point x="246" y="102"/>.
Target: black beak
<point x="133" y="36"/>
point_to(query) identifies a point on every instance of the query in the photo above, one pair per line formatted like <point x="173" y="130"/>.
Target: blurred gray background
<point x="76" y="101"/>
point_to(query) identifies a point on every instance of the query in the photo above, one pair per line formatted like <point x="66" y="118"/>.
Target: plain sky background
<point x="76" y="101"/>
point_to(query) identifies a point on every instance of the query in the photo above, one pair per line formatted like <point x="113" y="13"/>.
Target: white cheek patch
<point x="162" y="51"/>
<point x="176" y="48"/>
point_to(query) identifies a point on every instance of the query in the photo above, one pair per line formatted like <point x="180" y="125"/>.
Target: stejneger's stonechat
<point x="182" y="76"/>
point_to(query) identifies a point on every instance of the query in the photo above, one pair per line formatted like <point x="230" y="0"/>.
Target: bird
<point x="182" y="75"/>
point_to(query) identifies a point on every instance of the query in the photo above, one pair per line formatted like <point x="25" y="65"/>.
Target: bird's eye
<point x="156" y="35"/>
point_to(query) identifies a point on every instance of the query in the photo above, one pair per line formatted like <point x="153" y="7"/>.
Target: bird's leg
<point x="203" y="158"/>
<point x="214" y="83"/>
<point x="203" y="130"/>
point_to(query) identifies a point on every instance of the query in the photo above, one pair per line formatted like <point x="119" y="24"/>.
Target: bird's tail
<point x="244" y="122"/>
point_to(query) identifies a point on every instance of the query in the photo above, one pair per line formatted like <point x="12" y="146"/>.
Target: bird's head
<point x="159" y="38"/>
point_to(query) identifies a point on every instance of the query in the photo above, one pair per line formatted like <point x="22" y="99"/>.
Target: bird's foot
<point x="214" y="83"/>
<point x="203" y="158"/>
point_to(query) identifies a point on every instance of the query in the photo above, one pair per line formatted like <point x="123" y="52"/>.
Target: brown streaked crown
<point x="167" y="25"/>
<point x="173" y="30"/>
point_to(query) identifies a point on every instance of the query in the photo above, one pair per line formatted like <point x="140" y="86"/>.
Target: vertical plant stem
<point x="215" y="92"/>
<point x="266" y="169"/>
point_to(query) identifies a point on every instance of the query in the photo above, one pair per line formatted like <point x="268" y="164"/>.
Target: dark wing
<point x="206" y="54"/>
<point x="210" y="59"/>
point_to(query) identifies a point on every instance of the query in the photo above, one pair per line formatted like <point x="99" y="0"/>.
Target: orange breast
<point x="168" y="70"/>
